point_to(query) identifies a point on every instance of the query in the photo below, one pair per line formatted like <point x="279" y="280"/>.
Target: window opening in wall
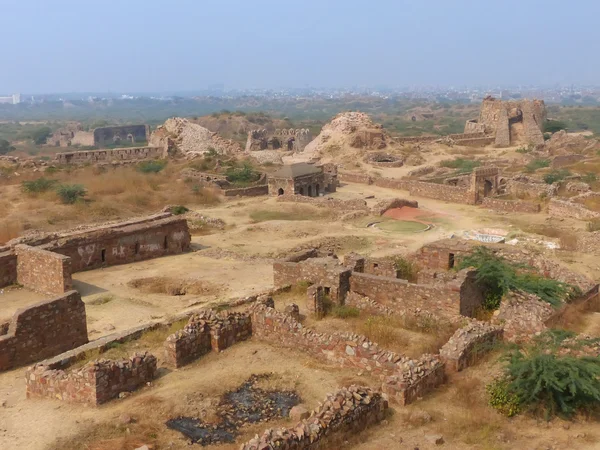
<point x="451" y="261"/>
<point x="301" y="191"/>
<point x="327" y="290"/>
<point x="166" y="243"/>
<point x="375" y="265"/>
<point x="310" y="191"/>
<point x="137" y="248"/>
<point x="280" y="191"/>
<point x="103" y="255"/>
<point x="317" y="187"/>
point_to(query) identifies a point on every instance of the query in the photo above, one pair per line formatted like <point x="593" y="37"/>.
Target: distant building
<point x="303" y="179"/>
<point x="14" y="99"/>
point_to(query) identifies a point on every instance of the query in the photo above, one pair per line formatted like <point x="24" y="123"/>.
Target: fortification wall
<point x="43" y="271"/>
<point x="95" y="383"/>
<point x="127" y="133"/>
<point x="572" y="210"/>
<point x="530" y="189"/>
<point x="253" y="191"/>
<point x="43" y="330"/>
<point x="349" y="410"/>
<point x="8" y="268"/>
<point x="468" y="344"/>
<point x="453" y="194"/>
<point x="106" y="246"/>
<point x="401" y="295"/>
<point x="326" y="202"/>
<point x="511" y="205"/>
<point x="475" y="142"/>
<point x="352" y="177"/>
<point x="109" y="155"/>
<point x="392" y="183"/>
<point x="83" y="138"/>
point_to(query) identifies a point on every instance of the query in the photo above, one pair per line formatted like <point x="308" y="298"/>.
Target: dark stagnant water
<point x="247" y="404"/>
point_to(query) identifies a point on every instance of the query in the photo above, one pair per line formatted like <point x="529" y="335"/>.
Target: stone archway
<point x="301" y="191"/>
<point x="488" y="187"/>
<point x="280" y="191"/>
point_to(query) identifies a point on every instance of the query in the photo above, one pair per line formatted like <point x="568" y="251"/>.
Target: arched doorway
<point x="487" y="188"/>
<point x="317" y="190"/>
<point x="280" y="191"/>
<point x="310" y="191"/>
<point x="301" y="191"/>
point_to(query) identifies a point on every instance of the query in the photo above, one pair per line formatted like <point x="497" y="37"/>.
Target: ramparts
<point x="252" y="191"/>
<point x="110" y="155"/>
<point x="43" y="271"/>
<point x="453" y="194"/>
<point x="349" y="410"/>
<point x="522" y="206"/>
<point x="43" y="330"/>
<point x="468" y="344"/>
<point x="95" y="383"/>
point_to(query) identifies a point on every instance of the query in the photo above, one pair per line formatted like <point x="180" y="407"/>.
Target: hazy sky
<point x="52" y="46"/>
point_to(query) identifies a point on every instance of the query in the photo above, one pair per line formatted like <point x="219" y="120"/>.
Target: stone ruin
<point x="292" y="140"/>
<point x="303" y="179"/>
<point x="511" y="122"/>
<point x="74" y="135"/>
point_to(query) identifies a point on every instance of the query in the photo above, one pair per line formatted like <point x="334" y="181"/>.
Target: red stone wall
<point x="8" y="269"/>
<point x="43" y="271"/>
<point x="95" y="383"/>
<point x="43" y="330"/>
<point x="511" y="205"/>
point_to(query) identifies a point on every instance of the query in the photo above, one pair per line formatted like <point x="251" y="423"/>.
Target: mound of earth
<point x="563" y="143"/>
<point x="182" y="136"/>
<point x="350" y="130"/>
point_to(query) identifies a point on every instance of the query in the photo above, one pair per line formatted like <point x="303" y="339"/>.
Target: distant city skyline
<point x="183" y="46"/>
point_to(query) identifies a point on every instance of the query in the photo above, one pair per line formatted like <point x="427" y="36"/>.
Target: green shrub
<point x="39" y="135"/>
<point x="345" y="312"/>
<point x="501" y="398"/>
<point x="547" y="136"/>
<point x="242" y="175"/>
<point x="556" y="175"/>
<point x="405" y="269"/>
<point x="5" y="147"/>
<point x="523" y="150"/>
<point x="589" y="177"/>
<point x="154" y="166"/>
<point x="178" y="210"/>
<point x="552" y="126"/>
<point x="38" y="186"/>
<point x="463" y="165"/>
<point x="70" y="193"/>
<point x="537" y="164"/>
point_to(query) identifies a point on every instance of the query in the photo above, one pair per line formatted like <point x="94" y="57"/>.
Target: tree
<point x="5" y="147"/>
<point x="39" y="135"/>
<point x="70" y="193"/>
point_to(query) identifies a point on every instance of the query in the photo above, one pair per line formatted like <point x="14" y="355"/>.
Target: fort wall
<point x="43" y="271"/>
<point x="43" y="330"/>
<point x="110" y="155"/>
<point x="8" y="268"/>
<point x="566" y="209"/>
<point x="252" y="191"/>
<point x="468" y="344"/>
<point x="512" y="206"/>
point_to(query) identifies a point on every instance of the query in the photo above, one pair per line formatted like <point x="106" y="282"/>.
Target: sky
<point x="53" y="46"/>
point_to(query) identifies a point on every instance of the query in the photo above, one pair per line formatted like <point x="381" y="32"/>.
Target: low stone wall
<point x="475" y="142"/>
<point x="407" y="378"/>
<point x="530" y="188"/>
<point x="511" y="205"/>
<point x="382" y="206"/>
<point x="401" y="295"/>
<point x="43" y="271"/>
<point x="349" y="410"/>
<point x="352" y="177"/>
<point x="572" y="210"/>
<point x="43" y="330"/>
<point x="468" y="344"/>
<point x="589" y="242"/>
<point x="326" y="202"/>
<point x="252" y="191"/>
<point x="108" y="155"/>
<point x="392" y="183"/>
<point x="8" y="268"/>
<point x="522" y="315"/>
<point x="453" y="194"/>
<point x="204" y="332"/>
<point x="95" y="383"/>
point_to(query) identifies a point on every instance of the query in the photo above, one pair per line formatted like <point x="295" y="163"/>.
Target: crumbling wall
<point x="382" y="206"/>
<point x="453" y="194"/>
<point x="95" y="383"/>
<point x="204" y="332"/>
<point x="43" y="330"/>
<point x="8" y="268"/>
<point x="468" y="344"/>
<point x="280" y="139"/>
<point x="349" y="410"/>
<point x="522" y="315"/>
<point x="43" y="271"/>
<point x="127" y="133"/>
<point x="525" y="186"/>
<point x="252" y="191"/>
<point x="327" y="202"/>
<point x="352" y="177"/>
<point x="511" y="206"/>
<point x="110" y="155"/>
<point x="572" y="210"/>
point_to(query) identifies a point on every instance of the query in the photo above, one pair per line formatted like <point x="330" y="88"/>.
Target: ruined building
<point x="303" y="179"/>
<point x="73" y="134"/>
<point x="511" y="122"/>
<point x="284" y="139"/>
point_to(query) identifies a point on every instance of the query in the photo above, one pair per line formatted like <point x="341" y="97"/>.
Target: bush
<point x="70" y="193"/>
<point x="537" y="164"/>
<point x="242" y="175"/>
<point x="38" y="186"/>
<point x="463" y="165"/>
<point x="523" y="150"/>
<point x="154" y="166"/>
<point x="589" y="177"/>
<point x="593" y="225"/>
<point x="552" y="126"/>
<point x="178" y="210"/>
<point x="405" y="269"/>
<point x="39" y="135"/>
<point x="345" y="312"/>
<point x="5" y="147"/>
<point x="556" y="175"/>
<point x="501" y="398"/>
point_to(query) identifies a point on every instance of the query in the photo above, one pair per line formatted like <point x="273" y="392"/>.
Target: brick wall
<point x="95" y="383"/>
<point x="468" y="344"/>
<point x="8" y="268"/>
<point x="117" y="154"/>
<point x="392" y="183"/>
<point x="453" y="194"/>
<point x="400" y="294"/>
<point x="43" y="330"/>
<point x="204" y="332"/>
<point x="43" y="271"/>
<point x="407" y="378"/>
<point x="253" y="191"/>
<point x="351" y="177"/>
<point x="349" y="410"/>
<point x="108" y="246"/>
<point x="511" y="205"/>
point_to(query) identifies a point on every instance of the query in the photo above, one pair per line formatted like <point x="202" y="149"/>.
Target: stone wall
<point x="326" y="272"/>
<point x="527" y="187"/>
<point x="475" y="142"/>
<point x="570" y="210"/>
<point x="43" y="330"/>
<point x="352" y="177"/>
<point x="252" y="191"/>
<point x="95" y="383"/>
<point x="349" y="410"/>
<point x="453" y="194"/>
<point x="468" y="344"/>
<point x="43" y="271"/>
<point x="326" y="202"/>
<point x="109" y="155"/>
<point x="405" y="378"/>
<point x="127" y="133"/>
<point x="511" y="206"/>
<point x="106" y="246"/>
<point x="522" y="315"/>
<point x="8" y="268"/>
<point x="204" y="332"/>
<point x="284" y="139"/>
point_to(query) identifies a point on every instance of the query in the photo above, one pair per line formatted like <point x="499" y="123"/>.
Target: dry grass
<point x="173" y="286"/>
<point x="574" y="316"/>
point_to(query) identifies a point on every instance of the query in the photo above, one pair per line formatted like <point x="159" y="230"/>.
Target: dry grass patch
<point x="290" y="213"/>
<point x="173" y="286"/>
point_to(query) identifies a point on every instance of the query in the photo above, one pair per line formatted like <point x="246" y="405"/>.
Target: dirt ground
<point x="237" y="261"/>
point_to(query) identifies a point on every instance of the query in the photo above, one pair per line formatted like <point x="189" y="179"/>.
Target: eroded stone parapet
<point x="522" y="315"/>
<point x="469" y="343"/>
